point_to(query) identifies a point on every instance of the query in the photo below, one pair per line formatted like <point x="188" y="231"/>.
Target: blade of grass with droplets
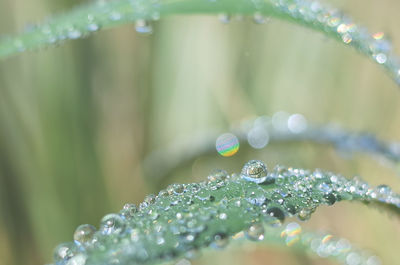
<point x="186" y="217"/>
<point x="86" y="19"/>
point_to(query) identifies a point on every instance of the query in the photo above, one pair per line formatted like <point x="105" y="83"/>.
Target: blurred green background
<point x="77" y="121"/>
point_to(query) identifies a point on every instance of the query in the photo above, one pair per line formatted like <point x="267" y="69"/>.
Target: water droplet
<point x="304" y="214"/>
<point x="217" y="175"/>
<point x="223" y="216"/>
<point x="79" y="259"/>
<point x="258" y="137"/>
<point x="129" y="210"/>
<point x="297" y="123"/>
<point x="373" y="260"/>
<point x="74" y="34"/>
<point x="378" y="35"/>
<point x="220" y="241"/>
<point x="64" y="251"/>
<point x="324" y="187"/>
<point x="115" y="16"/>
<point x="276" y="213"/>
<point x="143" y="26"/>
<point x="227" y="144"/>
<point x="176" y="189"/>
<point x="259" y="18"/>
<point x="280" y="121"/>
<point x="346" y="38"/>
<point x="224" y="18"/>
<point x="291" y="232"/>
<point x="381" y="58"/>
<point x="93" y="27"/>
<point x="255" y="171"/>
<point x="112" y="224"/>
<point x="353" y="258"/>
<point x="203" y="195"/>
<point x="255" y="232"/>
<point x="150" y="199"/>
<point x="330" y="198"/>
<point x="84" y="234"/>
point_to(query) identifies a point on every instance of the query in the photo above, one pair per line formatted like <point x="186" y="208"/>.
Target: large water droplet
<point x="84" y="234"/>
<point x="255" y="171"/>
<point x="112" y="224"/>
<point x="255" y="232"/>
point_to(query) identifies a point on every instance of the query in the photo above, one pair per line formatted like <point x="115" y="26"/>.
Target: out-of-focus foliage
<point x="76" y="122"/>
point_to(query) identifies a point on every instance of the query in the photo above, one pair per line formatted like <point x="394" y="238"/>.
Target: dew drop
<point x="176" y="189"/>
<point x="297" y="123"/>
<point x="93" y="27"/>
<point x="163" y="193"/>
<point x="224" y="18"/>
<point x="255" y="171"/>
<point x="381" y="58"/>
<point x="150" y="199"/>
<point x="227" y="144"/>
<point x="79" y="259"/>
<point x="324" y="187"/>
<point x="203" y="195"/>
<point x="129" y="210"/>
<point x="220" y="241"/>
<point x="346" y="38"/>
<point x="277" y="213"/>
<point x="373" y="260"/>
<point x="255" y="232"/>
<point x="115" y="16"/>
<point x="259" y="18"/>
<point x="84" y="234"/>
<point x="143" y="26"/>
<point x="112" y="224"/>
<point x="217" y="175"/>
<point x="223" y="216"/>
<point x="304" y="214"/>
<point x="64" y="251"/>
<point x="74" y="34"/>
<point x="258" y="137"/>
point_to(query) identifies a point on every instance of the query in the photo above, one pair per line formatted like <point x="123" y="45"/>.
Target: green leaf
<point x="188" y="217"/>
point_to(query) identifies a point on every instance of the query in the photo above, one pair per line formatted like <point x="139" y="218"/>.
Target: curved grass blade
<point x="186" y="217"/>
<point x="258" y="133"/>
<point x="84" y="20"/>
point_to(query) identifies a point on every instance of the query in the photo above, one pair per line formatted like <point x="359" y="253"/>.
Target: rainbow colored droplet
<point x="292" y="233"/>
<point x="227" y="144"/>
<point x="378" y="35"/>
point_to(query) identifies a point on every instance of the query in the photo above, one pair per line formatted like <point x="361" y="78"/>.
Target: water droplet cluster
<point x="334" y="22"/>
<point x="184" y="218"/>
<point x="83" y="21"/>
<point x="87" y="19"/>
